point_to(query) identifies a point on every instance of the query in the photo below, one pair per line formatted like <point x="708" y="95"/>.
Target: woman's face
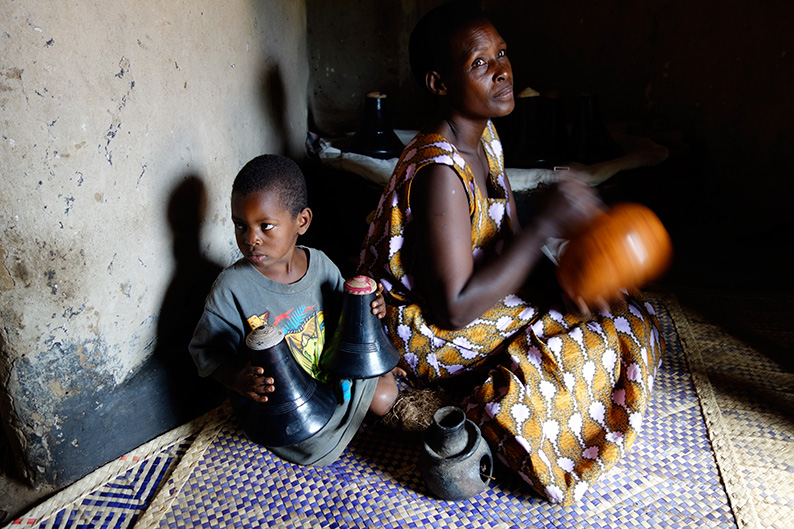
<point x="480" y="81"/>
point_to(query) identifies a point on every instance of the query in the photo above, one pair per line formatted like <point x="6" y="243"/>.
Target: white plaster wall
<point x="106" y="107"/>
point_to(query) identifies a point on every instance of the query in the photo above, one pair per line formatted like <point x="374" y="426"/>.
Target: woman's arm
<point x="456" y="292"/>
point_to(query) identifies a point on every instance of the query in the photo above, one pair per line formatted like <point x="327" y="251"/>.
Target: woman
<point x="559" y="397"/>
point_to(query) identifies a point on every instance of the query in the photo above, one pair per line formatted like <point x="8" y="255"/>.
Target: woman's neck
<point x="464" y="133"/>
<point x="466" y="136"/>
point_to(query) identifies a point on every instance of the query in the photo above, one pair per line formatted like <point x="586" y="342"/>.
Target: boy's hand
<point x="251" y="383"/>
<point x="379" y="303"/>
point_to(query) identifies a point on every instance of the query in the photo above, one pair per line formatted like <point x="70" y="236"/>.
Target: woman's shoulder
<point x="490" y="138"/>
<point x="429" y="140"/>
<point x="493" y="149"/>
<point x="429" y="147"/>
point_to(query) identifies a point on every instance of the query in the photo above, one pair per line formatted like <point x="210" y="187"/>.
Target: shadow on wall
<point x="184" y="301"/>
<point x="274" y="103"/>
<point x="194" y="275"/>
<point x="109" y="420"/>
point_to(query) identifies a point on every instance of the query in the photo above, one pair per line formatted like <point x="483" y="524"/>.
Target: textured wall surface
<point x="356" y="47"/>
<point x="123" y="127"/>
<point x="717" y="74"/>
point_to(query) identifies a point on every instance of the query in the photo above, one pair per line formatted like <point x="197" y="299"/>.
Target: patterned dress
<point x="559" y="398"/>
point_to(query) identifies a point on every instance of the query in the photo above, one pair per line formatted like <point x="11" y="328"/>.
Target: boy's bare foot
<point x="386" y="392"/>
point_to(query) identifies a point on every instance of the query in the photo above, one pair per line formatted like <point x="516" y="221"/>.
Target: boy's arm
<point x="214" y="349"/>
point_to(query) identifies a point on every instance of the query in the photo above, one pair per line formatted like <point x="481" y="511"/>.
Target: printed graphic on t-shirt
<point x="304" y="332"/>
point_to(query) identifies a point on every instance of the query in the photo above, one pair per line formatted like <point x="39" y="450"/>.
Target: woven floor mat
<point x="745" y="345"/>
<point x="672" y="477"/>
<point x="115" y="494"/>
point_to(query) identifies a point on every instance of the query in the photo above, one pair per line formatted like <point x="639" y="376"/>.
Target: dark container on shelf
<point x="375" y="137"/>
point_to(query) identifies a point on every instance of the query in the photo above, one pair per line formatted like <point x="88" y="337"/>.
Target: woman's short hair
<point x="276" y="174"/>
<point x="429" y="45"/>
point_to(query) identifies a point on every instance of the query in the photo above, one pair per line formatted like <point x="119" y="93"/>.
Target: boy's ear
<point x="435" y="84"/>
<point x="304" y="220"/>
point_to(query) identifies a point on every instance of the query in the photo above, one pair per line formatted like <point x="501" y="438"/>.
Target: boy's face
<point x="266" y="232"/>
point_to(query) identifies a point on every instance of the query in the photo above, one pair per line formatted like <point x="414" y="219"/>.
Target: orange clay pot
<point x="621" y="249"/>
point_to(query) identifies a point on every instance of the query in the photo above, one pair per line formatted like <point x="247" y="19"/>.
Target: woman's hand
<point x="569" y="205"/>
<point x="379" y="303"/>
<point x="581" y="309"/>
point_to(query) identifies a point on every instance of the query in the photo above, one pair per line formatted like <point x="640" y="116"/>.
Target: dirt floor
<point x="16" y="496"/>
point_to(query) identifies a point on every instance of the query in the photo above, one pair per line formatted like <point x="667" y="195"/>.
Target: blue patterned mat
<point x="670" y="478"/>
<point x="115" y="503"/>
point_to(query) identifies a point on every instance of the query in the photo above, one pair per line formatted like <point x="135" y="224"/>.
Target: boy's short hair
<point x="278" y="174"/>
<point x="428" y="46"/>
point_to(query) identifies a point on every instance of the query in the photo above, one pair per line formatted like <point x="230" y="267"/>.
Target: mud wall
<point x="123" y="126"/>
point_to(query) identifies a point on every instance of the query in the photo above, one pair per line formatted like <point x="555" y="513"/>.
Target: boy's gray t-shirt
<point x="307" y="311"/>
<point x="242" y="299"/>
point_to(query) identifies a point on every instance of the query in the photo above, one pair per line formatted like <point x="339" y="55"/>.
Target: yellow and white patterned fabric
<point x="561" y="398"/>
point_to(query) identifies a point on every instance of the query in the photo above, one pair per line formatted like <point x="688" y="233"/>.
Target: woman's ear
<point x="435" y="84"/>
<point x="304" y="220"/>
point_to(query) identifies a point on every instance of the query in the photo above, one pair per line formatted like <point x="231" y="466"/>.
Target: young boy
<point x="294" y="287"/>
